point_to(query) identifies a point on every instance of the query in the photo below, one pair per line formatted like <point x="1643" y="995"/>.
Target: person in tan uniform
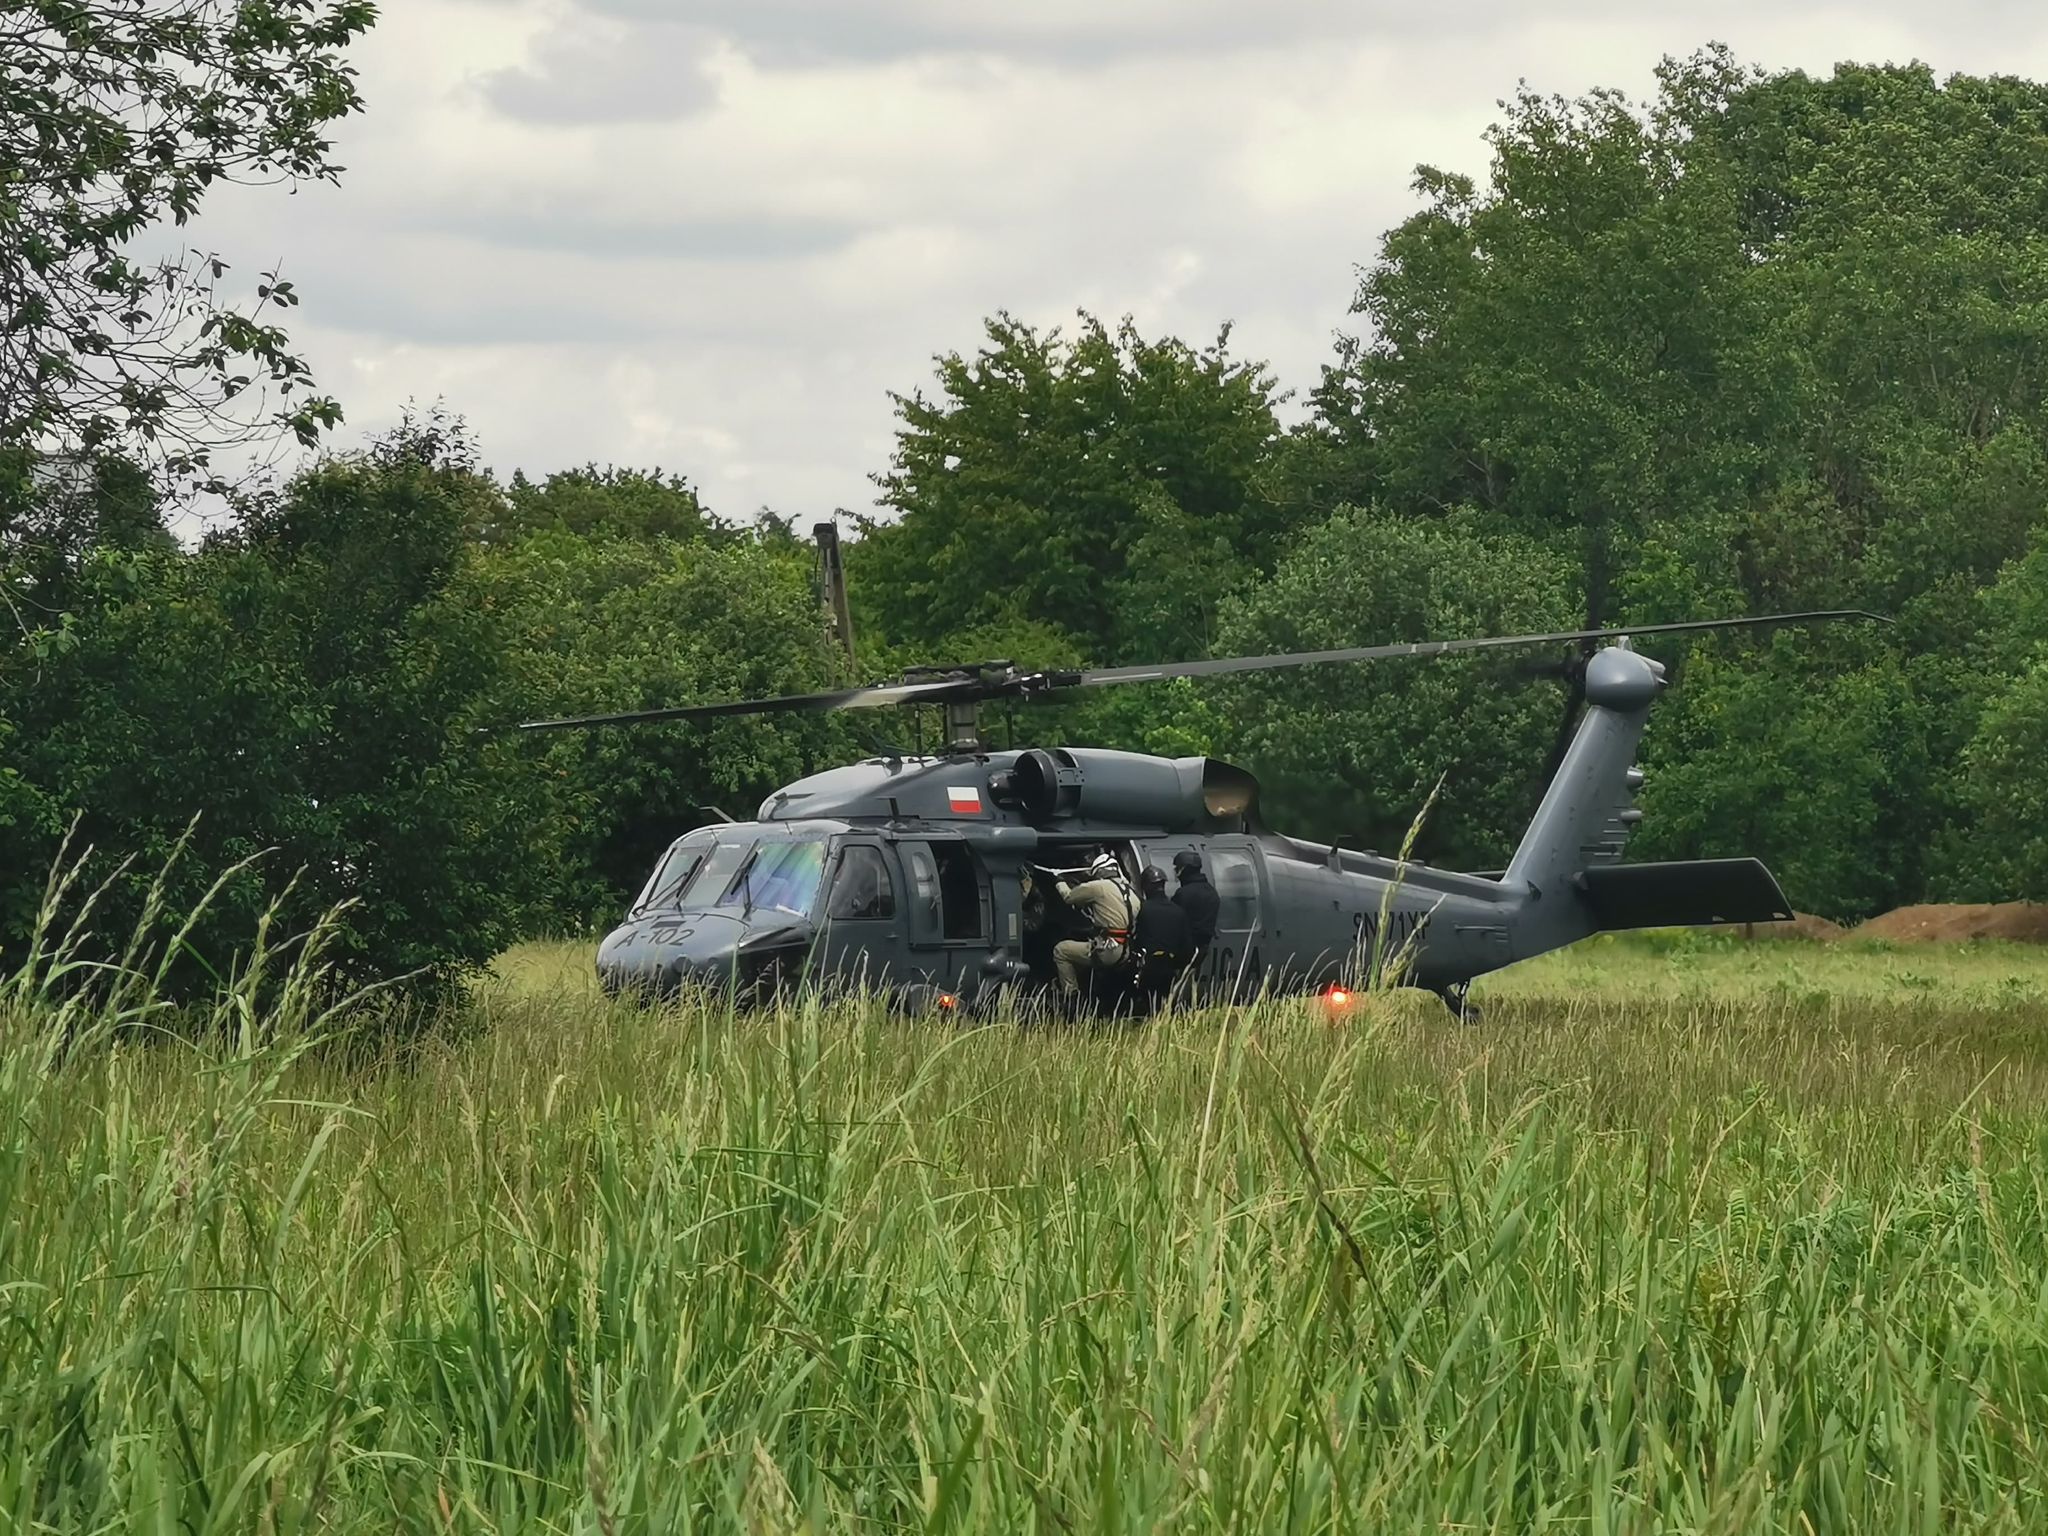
<point x="1105" y="900"/>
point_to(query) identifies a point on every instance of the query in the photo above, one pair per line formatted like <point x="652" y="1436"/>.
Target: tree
<point x="1768" y="342"/>
<point x="1893" y="222"/>
<point x="604" y="503"/>
<point x="596" y="624"/>
<point x="1787" y="320"/>
<point x="1825" y="771"/>
<point x="308" y="683"/>
<point x="1044" y="475"/>
<point x="2000" y="851"/>
<point x="1353" y="751"/>
<point x="55" y="514"/>
<point x="1996" y="849"/>
<point x="1572" y="348"/>
<point x="115" y="116"/>
<point x="68" y="526"/>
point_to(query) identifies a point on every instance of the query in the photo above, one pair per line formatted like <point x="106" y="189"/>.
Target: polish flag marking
<point x="964" y="799"/>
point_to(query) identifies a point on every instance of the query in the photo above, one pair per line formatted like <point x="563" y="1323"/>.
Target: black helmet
<point x="1152" y="880"/>
<point x="1187" y="862"/>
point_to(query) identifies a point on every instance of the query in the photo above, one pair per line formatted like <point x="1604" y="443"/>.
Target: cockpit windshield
<point x="672" y="876"/>
<point x="740" y="871"/>
<point x="779" y="877"/>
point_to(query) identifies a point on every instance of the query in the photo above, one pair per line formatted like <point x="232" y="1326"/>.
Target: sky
<point x="712" y="236"/>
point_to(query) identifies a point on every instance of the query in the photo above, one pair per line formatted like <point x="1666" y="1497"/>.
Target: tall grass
<point x="1762" y="1263"/>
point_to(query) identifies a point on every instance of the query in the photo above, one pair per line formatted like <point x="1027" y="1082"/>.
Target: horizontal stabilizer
<point x="1690" y="893"/>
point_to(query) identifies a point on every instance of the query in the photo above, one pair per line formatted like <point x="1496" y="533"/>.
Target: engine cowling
<point x="1130" y="789"/>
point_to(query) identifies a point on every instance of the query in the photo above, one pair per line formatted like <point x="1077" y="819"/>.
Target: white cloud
<point x="592" y="69"/>
<point x="604" y="233"/>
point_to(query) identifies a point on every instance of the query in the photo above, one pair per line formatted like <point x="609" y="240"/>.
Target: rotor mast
<point x="983" y="679"/>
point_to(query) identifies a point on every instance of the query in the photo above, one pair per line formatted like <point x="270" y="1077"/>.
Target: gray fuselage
<point x="914" y="873"/>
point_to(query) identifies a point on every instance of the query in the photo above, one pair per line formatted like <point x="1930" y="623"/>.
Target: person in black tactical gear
<point x="1196" y="897"/>
<point x="1162" y="939"/>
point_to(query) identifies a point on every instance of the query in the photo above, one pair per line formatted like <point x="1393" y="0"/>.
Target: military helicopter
<point x="923" y="875"/>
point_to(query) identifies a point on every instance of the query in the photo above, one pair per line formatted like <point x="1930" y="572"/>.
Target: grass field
<point x="1682" y="1235"/>
<point x="1706" y="966"/>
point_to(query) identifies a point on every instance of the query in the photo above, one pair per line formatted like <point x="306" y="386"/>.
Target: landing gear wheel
<point x="1458" y="998"/>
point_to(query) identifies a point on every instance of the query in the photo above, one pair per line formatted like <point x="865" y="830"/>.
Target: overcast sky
<point x="712" y="235"/>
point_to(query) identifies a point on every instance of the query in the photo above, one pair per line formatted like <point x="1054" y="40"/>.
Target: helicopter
<point x="924" y="875"/>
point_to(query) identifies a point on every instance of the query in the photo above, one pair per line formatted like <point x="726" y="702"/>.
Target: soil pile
<point x="1953" y="923"/>
<point x="1804" y="925"/>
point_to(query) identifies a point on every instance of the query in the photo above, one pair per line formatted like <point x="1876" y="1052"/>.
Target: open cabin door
<point x="949" y="894"/>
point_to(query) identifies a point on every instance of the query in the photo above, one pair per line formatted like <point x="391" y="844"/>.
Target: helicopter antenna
<point x="832" y="591"/>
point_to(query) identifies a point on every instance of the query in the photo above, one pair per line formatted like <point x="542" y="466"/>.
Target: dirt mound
<point x="2026" y="921"/>
<point x="1804" y="925"/>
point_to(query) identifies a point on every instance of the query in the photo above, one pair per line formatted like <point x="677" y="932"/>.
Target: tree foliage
<point x="307" y="685"/>
<point x="1768" y="342"/>
<point x="312" y="680"/>
<point x="115" y="117"/>
<point x="1572" y="348"/>
<point x="595" y="624"/>
<point x="608" y="503"/>
<point x="2001" y="851"/>
<point x="1053" y="479"/>
<point x="1823" y="770"/>
<point x="1354" y="752"/>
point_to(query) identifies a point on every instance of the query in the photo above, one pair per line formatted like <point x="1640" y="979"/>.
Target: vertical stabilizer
<point x="1588" y="811"/>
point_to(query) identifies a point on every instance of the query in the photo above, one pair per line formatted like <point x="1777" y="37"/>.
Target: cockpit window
<point x="779" y="877"/>
<point x="716" y="873"/>
<point x="723" y="870"/>
<point x="673" y="876"/>
<point x="862" y="887"/>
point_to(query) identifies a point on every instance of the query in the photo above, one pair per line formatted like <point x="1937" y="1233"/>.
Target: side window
<point x="863" y="887"/>
<point x="1237" y="889"/>
<point x="964" y="911"/>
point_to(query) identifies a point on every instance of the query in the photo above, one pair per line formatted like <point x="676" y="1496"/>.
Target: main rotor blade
<point x="1223" y="665"/>
<point x="792" y="703"/>
<point x="1039" y="684"/>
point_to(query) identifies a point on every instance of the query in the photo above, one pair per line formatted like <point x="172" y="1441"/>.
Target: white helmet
<point x="1105" y="867"/>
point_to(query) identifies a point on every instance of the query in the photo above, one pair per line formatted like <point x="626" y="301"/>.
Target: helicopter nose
<point x="661" y="956"/>
<point x="668" y="958"/>
<point x="712" y="969"/>
<point x="664" y="975"/>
